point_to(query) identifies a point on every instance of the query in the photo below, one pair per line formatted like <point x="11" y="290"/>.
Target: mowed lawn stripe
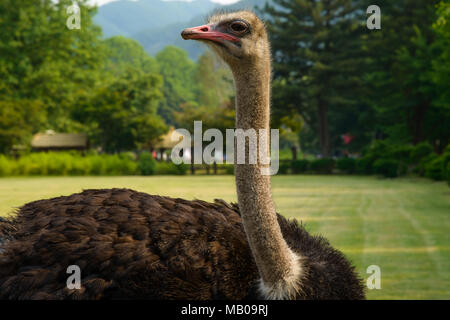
<point x="401" y="225"/>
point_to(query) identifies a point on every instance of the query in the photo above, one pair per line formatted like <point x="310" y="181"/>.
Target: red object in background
<point x="154" y="154"/>
<point x="348" y="138"/>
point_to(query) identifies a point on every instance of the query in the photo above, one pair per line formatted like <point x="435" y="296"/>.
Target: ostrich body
<point x="134" y="245"/>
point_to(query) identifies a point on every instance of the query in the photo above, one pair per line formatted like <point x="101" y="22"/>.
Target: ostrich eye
<point x="238" y="27"/>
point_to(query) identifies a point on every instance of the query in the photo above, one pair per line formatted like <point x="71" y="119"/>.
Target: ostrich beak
<point x="207" y="32"/>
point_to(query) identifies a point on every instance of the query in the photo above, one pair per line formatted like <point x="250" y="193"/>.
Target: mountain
<point x="156" y="24"/>
<point x="128" y="17"/>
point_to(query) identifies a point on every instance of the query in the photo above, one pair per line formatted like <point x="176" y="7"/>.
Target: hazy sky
<point x="100" y="2"/>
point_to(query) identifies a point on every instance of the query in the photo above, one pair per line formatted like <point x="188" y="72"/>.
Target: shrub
<point x="7" y="166"/>
<point x="169" y="168"/>
<point x="98" y="166"/>
<point x="229" y="169"/>
<point x="445" y="160"/>
<point x="119" y="165"/>
<point x="435" y="169"/>
<point x="81" y="166"/>
<point x="400" y="152"/>
<point x="423" y="163"/>
<point x="386" y="167"/>
<point x="299" y="166"/>
<point x="347" y="165"/>
<point x="146" y="164"/>
<point x="284" y="167"/>
<point x="420" y="151"/>
<point x="364" y="165"/>
<point x="448" y="174"/>
<point x="322" y="166"/>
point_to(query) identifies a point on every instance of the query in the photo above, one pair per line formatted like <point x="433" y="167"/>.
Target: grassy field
<point x="401" y="225"/>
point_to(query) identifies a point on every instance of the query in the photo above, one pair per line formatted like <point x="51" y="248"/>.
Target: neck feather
<point x="278" y="265"/>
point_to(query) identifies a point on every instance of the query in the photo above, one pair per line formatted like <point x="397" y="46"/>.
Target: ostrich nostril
<point x="204" y="29"/>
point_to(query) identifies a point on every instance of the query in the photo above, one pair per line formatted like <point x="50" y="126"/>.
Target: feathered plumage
<point x="130" y="244"/>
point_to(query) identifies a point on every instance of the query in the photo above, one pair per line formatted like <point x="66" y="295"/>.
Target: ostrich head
<point x="239" y="38"/>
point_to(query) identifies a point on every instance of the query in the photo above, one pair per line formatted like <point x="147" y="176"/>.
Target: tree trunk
<point x="324" y="130"/>
<point x="294" y="152"/>
<point x="418" y="120"/>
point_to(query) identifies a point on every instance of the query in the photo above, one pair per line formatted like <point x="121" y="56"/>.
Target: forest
<point x="344" y="96"/>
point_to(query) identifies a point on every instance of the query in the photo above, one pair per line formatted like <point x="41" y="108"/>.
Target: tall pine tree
<point x="317" y="54"/>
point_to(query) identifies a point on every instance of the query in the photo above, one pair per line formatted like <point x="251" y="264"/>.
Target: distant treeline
<point x="343" y="79"/>
<point x="338" y="87"/>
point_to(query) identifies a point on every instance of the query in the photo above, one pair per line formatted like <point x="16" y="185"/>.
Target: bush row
<point x="381" y="159"/>
<point x="320" y="166"/>
<point x="394" y="160"/>
<point x="75" y="164"/>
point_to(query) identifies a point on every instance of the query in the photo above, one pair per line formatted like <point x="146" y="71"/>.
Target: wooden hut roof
<point x="59" y="140"/>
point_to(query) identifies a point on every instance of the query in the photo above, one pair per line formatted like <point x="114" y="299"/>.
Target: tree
<point x="177" y="72"/>
<point x="18" y="118"/>
<point x="317" y="54"/>
<point x="44" y="66"/>
<point x="400" y="71"/>
<point x="123" y="115"/>
<point x="440" y="118"/>
<point x="214" y="81"/>
<point x="123" y="53"/>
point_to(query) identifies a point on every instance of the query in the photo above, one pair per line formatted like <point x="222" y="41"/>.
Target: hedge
<point x="347" y="165"/>
<point x="76" y="164"/>
<point x="322" y="166"/>
<point x="388" y="168"/>
<point x="299" y="166"/>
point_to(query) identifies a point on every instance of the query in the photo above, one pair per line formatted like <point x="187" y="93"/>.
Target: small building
<point x="166" y="143"/>
<point x="51" y="141"/>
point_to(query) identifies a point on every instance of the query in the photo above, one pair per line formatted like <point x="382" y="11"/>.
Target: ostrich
<point x="130" y="244"/>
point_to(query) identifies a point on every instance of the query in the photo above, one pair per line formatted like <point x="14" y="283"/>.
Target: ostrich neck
<point x="276" y="263"/>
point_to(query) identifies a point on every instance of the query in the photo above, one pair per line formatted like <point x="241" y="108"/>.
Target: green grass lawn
<point x="401" y="225"/>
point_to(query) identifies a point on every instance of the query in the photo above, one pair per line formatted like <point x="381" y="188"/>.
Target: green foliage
<point x="435" y="169"/>
<point x="322" y="166"/>
<point x="441" y="74"/>
<point x="7" y="167"/>
<point x="229" y="169"/>
<point x="383" y="150"/>
<point x="401" y="72"/>
<point x="146" y="164"/>
<point x="388" y="168"/>
<point x="364" y="165"/>
<point x="423" y="163"/>
<point x="420" y="151"/>
<point x="347" y="165"/>
<point x="284" y="167"/>
<point x="124" y="114"/>
<point x="177" y="72"/>
<point x="44" y="66"/>
<point x="317" y="55"/>
<point x="214" y="82"/>
<point x="75" y="164"/>
<point x="169" y="168"/>
<point x="18" y="118"/>
<point x="222" y="117"/>
<point x="299" y="166"/>
<point x="123" y="54"/>
<point x="68" y="164"/>
<point x="448" y="174"/>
